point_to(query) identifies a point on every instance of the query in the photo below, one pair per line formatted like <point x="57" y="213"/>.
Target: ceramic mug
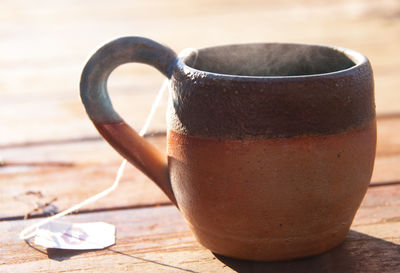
<point x="270" y="146"/>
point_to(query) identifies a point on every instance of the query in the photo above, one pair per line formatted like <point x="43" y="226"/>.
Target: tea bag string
<point x="30" y="231"/>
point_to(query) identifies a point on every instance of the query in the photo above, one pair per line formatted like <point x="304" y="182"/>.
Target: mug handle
<point x="94" y="95"/>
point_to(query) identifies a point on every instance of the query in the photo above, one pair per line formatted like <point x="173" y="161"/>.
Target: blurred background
<point x="51" y="156"/>
<point x="44" y="45"/>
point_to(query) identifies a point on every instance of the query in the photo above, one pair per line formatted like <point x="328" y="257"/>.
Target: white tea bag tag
<point x="96" y="235"/>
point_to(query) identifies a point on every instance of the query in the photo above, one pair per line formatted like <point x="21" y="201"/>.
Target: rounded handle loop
<point x="93" y="90"/>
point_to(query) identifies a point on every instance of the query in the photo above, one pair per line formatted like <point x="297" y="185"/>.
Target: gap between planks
<point x="86" y="211"/>
<point x="68" y="141"/>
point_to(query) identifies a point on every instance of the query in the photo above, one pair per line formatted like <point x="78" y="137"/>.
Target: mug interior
<point x="270" y="59"/>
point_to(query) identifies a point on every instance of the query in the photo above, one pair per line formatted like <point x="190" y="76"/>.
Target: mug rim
<point x="356" y="57"/>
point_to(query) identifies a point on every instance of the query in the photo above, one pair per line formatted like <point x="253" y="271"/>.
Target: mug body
<point x="271" y="146"/>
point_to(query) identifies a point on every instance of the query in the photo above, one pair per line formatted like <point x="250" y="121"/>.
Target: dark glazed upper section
<point x="270" y="90"/>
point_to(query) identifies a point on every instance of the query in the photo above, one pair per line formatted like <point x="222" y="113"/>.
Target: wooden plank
<point x="386" y="170"/>
<point x="44" y="179"/>
<point x="56" y="177"/>
<point x="380" y="205"/>
<point x="388" y="135"/>
<point x="388" y="143"/>
<point x="158" y="240"/>
<point x="66" y="148"/>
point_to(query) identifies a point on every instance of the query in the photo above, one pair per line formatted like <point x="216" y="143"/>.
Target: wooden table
<point x="52" y="157"/>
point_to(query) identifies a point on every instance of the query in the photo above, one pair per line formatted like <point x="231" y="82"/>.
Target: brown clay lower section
<point x="271" y="199"/>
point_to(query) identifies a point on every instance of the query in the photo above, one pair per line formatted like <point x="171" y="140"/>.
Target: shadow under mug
<point x="270" y="146"/>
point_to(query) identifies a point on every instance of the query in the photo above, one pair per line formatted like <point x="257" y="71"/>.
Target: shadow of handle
<point x="122" y="137"/>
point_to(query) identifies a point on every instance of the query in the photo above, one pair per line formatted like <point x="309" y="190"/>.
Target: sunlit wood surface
<point x="52" y="157"/>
